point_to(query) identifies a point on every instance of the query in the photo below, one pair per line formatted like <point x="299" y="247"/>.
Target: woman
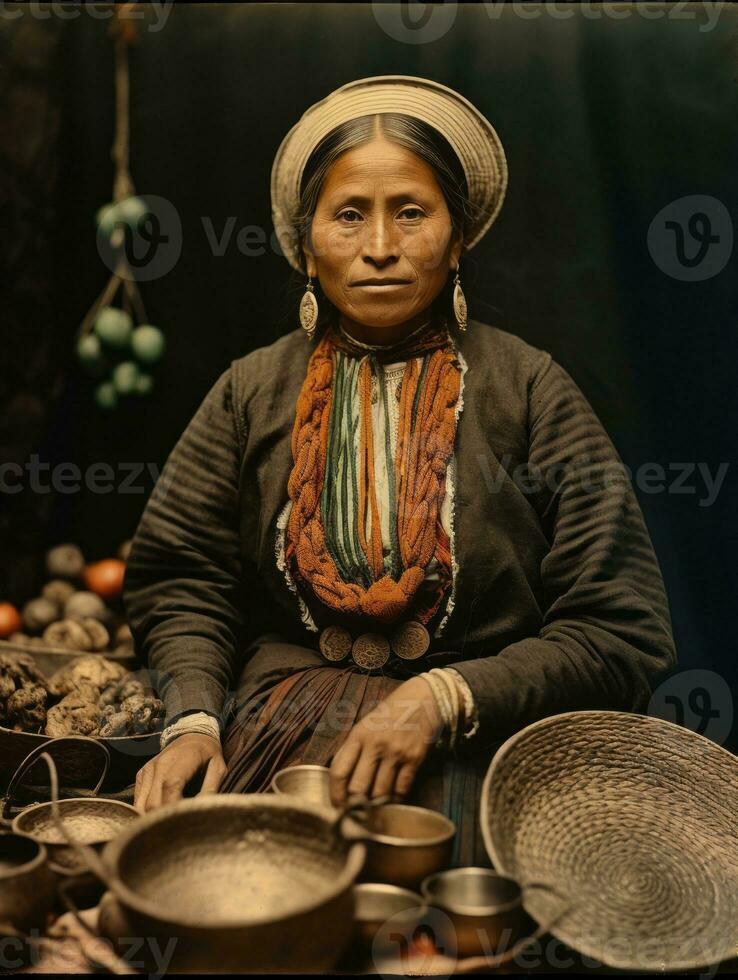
<point x="390" y="539"/>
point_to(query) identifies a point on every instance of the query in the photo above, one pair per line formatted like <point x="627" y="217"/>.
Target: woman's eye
<point x="345" y="214"/>
<point x="412" y="213"/>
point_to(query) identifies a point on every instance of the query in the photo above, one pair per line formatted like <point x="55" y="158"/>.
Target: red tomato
<point x="105" y="577"/>
<point x="10" y="619"/>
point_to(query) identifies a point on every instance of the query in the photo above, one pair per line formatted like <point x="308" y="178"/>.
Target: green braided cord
<point x="328" y="500"/>
<point x="340" y="486"/>
<point x="335" y="472"/>
<point x="359" y="569"/>
<point x="340" y="494"/>
<point x="392" y="561"/>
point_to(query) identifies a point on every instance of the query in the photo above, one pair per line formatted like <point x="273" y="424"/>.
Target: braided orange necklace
<point x="425" y="439"/>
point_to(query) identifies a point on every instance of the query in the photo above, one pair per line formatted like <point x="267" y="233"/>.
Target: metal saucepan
<point x="483" y="915"/>
<point x="406" y="843"/>
<point x="484" y="909"/>
<point x="91" y="819"/>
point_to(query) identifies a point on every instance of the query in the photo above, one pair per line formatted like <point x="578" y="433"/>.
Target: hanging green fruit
<point x="113" y="326"/>
<point x="129" y="211"/>
<point x="105" y="395"/>
<point x="90" y="353"/>
<point x="125" y="377"/>
<point x="144" y="385"/>
<point x="148" y="343"/>
<point x="107" y="345"/>
<point x="106" y="219"/>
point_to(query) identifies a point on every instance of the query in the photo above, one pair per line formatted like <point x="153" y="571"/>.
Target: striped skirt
<point x="292" y="708"/>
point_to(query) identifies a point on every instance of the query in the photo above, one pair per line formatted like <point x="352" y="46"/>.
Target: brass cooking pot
<point x="244" y="883"/>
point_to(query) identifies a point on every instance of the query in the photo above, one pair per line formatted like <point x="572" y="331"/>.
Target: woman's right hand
<point x="163" y="778"/>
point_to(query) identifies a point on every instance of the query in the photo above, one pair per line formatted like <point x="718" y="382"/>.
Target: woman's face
<point x="381" y="241"/>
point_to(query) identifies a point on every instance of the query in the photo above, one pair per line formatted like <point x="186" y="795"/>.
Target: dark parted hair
<point x="415" y="135"/>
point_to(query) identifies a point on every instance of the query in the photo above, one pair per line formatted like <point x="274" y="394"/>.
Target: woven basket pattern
<point x="636" y="821"/>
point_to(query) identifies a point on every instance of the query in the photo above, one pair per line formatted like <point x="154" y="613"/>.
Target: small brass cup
<point x="483" y="907"/>
<point x="309" y="783"/>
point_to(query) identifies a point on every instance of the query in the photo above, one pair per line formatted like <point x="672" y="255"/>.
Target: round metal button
<point x="335" y="643"/>
<point x="410" y="640"/>
<point x="370" y="651"/>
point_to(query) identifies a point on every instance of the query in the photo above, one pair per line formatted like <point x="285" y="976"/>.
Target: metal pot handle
<point x="34" y="756"/>
<point x="472" y="964"/>
<point x="350" y="822"/>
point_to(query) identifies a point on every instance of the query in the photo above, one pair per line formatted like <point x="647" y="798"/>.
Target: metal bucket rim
<point x="139" y="736"/>
<point x="34" y="808"/>
<point x="274" y="785"/>
<point x="440" y="838"/>
<point x="471" y="911"/>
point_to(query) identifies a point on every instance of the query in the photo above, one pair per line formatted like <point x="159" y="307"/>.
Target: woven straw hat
<point x="475" y="141"/>
<point x="635" y="820"/>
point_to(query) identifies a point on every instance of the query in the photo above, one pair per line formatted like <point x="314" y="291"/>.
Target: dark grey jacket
<point x="559" y="600"/>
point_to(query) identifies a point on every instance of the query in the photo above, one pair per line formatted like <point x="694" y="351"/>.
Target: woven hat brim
<point x="469" y="133"/>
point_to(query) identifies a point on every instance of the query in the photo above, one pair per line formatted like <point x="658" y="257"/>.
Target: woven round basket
<point x="635" y="821"/>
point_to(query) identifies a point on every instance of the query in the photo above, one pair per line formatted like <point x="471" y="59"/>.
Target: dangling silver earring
<point x="309" y="309"/>
<point x="459" y="303"/>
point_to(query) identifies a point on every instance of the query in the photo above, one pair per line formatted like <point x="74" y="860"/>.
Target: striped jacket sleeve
<point x="182" y="590"/>
<point x="606" y="626"/>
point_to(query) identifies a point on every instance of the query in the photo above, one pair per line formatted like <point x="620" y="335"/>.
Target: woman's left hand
<point x="383" y="751"/>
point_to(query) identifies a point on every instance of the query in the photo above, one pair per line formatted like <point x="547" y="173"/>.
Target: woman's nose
<point x="380" y="243"/>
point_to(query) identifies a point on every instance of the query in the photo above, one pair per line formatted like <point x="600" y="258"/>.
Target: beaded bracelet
<point x="454" y="702"/>
<point x="471" y="713"/>
<point x="447" y="699"/>
<point x="198" y="723"/>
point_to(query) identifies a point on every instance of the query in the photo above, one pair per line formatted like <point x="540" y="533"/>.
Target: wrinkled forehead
<point x="379" y="167"/>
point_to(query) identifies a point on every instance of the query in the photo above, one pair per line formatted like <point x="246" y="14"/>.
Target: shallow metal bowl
<point x="310" y="783"/>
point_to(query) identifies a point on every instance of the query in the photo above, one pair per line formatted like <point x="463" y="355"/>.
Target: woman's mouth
<point x="378" y="284"/>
